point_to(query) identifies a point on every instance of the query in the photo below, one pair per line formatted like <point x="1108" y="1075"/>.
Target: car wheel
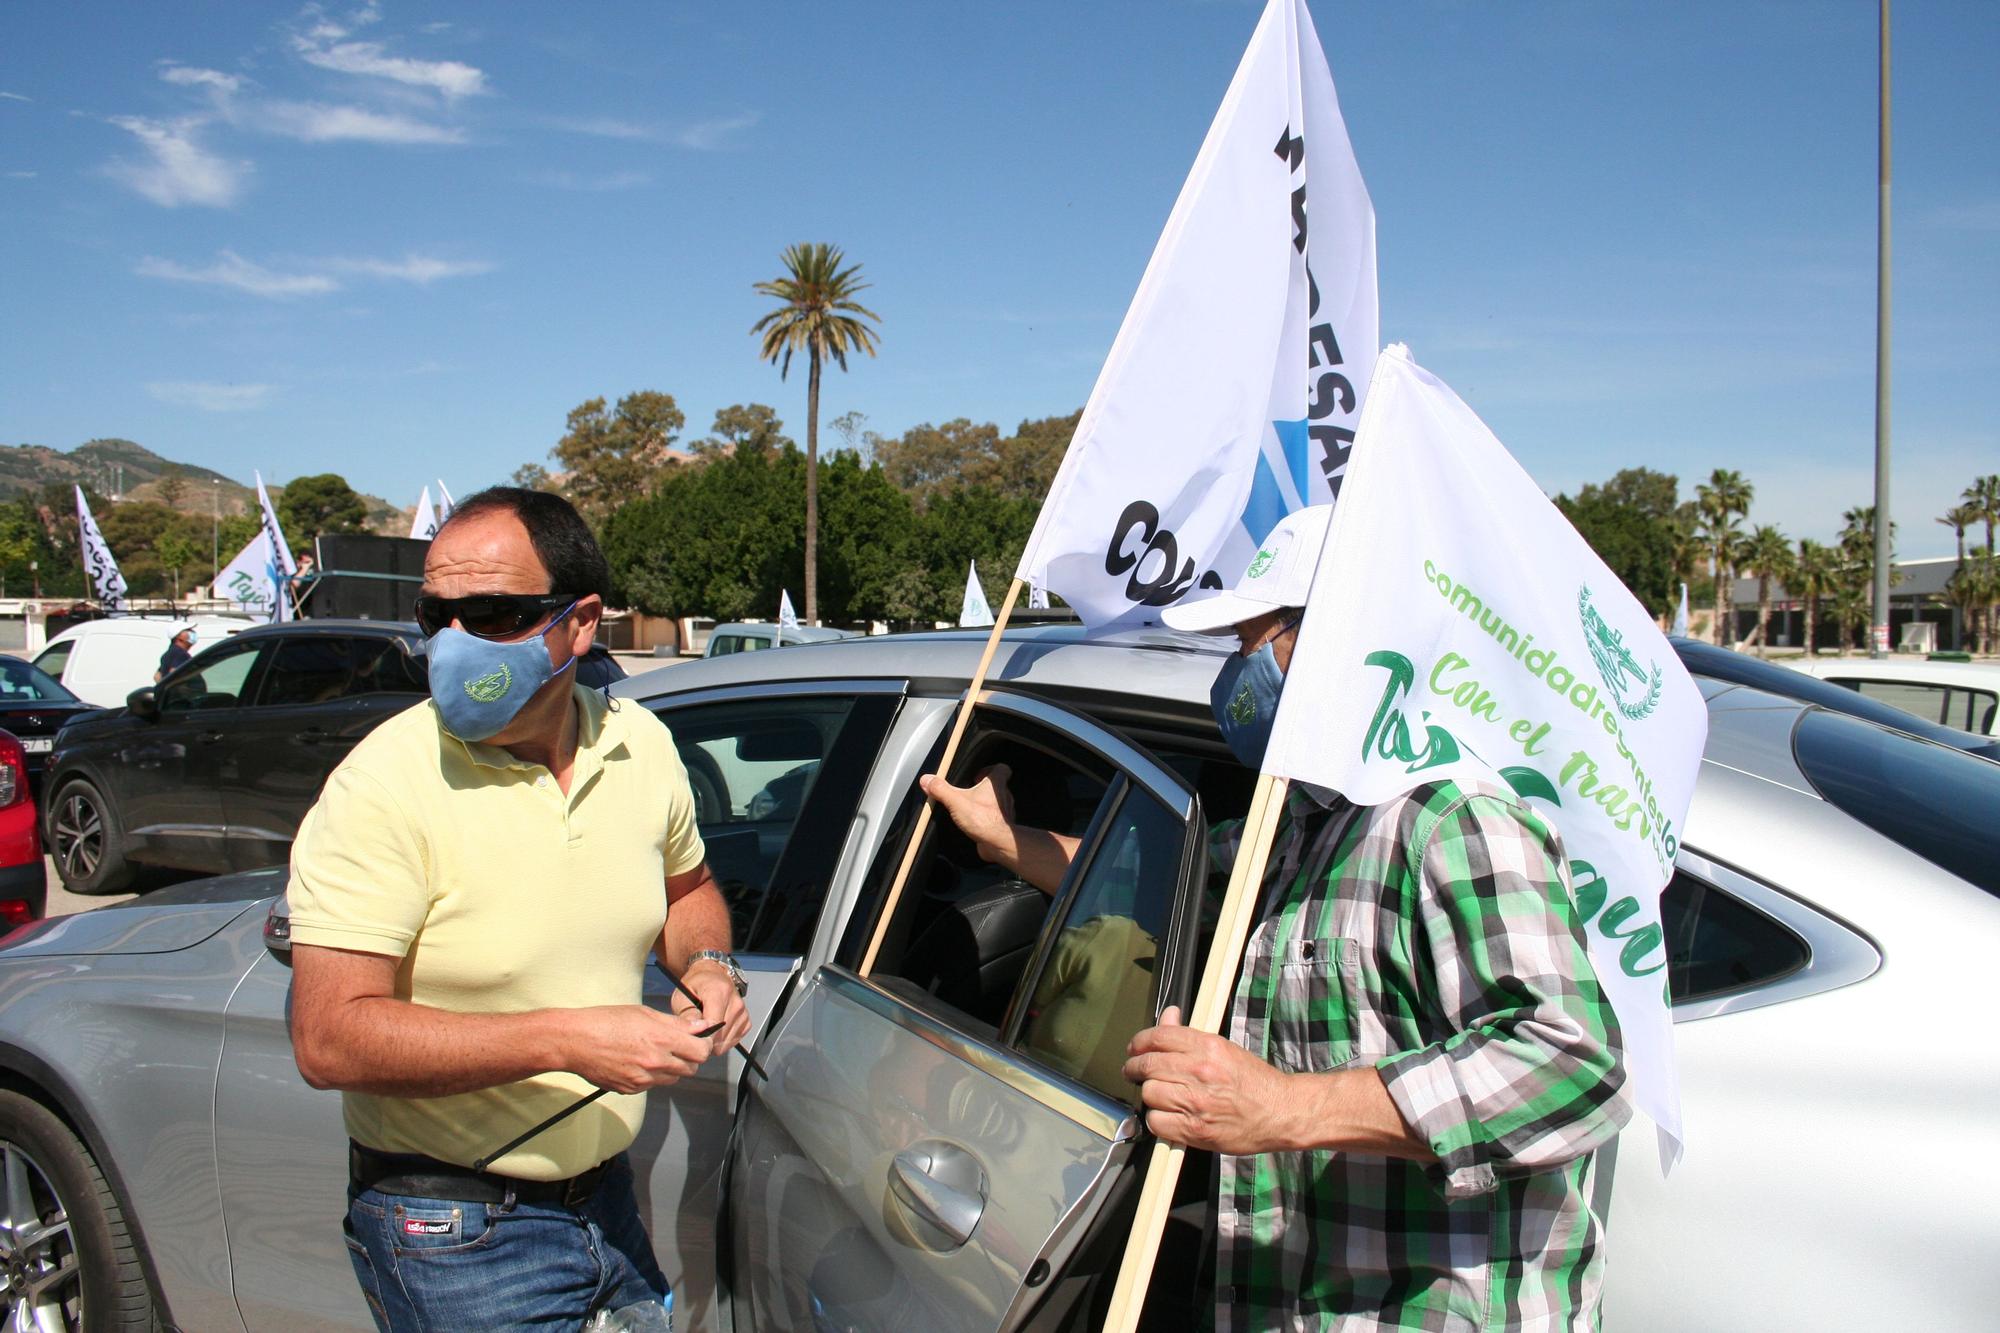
<point x="711" y="793"/>
<point x="71" y="1261"/>
<point x="85" y="840"/>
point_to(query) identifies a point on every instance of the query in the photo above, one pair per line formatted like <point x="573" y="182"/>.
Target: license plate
<point x="38" y="744"/>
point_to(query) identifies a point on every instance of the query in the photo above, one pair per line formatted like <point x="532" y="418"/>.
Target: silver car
<point x="946" y="1144"/>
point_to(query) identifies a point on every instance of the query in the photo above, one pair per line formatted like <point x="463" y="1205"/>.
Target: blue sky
<point x="403" y="241"/>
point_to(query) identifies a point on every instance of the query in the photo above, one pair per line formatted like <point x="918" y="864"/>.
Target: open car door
<point x="936" y="1139"/>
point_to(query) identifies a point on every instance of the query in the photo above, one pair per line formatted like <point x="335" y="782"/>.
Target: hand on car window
<point x="983" y="811"/>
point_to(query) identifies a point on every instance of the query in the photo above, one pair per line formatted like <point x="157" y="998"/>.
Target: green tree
<point x="173" y="486"/>
<point x="1983" y="498"/>
<point x="742" y="426"/>
<point x="1720" y="502"/>
<point x="532" y="477"/>
<point x="613" y="457"/>
<point x="311" y="507"/>
<point x="1815" y="574"/>
<point x="817" y="314"/>
<point x="1024" y="464"/>
<point x="176" y="551"/>
<point x="1767" y="554"/>
<point x="1629" y="522"/>
<point x="926" y="460"/>
<point x="1857" y="569"/>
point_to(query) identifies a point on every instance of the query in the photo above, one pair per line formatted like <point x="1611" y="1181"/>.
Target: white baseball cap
<point x="1279" y="575"/>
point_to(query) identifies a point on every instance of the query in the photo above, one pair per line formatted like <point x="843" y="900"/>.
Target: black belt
<point x="422" y="1177"/>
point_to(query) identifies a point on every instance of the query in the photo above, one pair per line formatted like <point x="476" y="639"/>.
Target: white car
<point x="102" y="661"/>
<point x="1965" y="695"/>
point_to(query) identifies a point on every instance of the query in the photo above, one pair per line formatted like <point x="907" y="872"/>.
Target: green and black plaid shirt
<point x="1434" y="938"/>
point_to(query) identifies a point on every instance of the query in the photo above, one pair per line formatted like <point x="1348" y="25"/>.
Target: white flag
<point x="1460" y="627"/>
<point x="1680" y="627"/>
<point x="281" y="554"/>
<point x="425" y="525"/>
<point x="974" y="612"/>
<point x="787" y="618"/>
<point x="1233" y="389"/>
<point x="445" y="504"/>
<point x="252" y="580"/>
<point x="1038" y="598"/>
<point x="105" y="581"/>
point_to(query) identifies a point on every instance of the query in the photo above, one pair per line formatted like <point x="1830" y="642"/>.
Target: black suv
<point x="212" y="769"/>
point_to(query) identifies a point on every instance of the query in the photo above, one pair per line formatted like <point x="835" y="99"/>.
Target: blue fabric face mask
<point x="480" y="686"/>
<point x="1245" y="700"/>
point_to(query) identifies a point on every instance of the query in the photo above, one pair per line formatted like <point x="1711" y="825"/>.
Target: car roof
<point x="384" y="628"/>
<point x="156" y="627"/>
<point x="1976" y="675"/>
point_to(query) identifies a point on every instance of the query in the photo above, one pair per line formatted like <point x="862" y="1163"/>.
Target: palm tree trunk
<point x="1763" y="612"/>
<point x="1812" y="615"/>
<point x="812" y="491"/>
<point x="1724" y="631"/>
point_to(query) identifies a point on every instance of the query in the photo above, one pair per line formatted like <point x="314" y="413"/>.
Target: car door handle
<point x="311" y="735"/>
<point x="209" y="737"/>
<point x="943" y="1185"/>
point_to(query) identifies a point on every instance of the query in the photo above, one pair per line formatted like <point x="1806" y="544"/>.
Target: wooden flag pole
<point x="944" y="766"/>
<point x="1210" y="1008"/>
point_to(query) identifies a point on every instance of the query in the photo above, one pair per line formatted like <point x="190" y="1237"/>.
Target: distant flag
<point x="105" y="580"/>
<point x="1459" y="628"/>
<point x="1038" y="598"/>
<point x="787" y="618"/>
<point x="1234" y="388"/>
<point x="445" y="504"/>
<point x="280" y="554"/>
<point x="1680" y="628"/>
<point x="251" y="579"/>
<point x="425" y="525"/>
<point x="974" y="612"/>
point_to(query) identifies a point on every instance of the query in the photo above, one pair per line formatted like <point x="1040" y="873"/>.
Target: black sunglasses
<point x="489" y="615"/>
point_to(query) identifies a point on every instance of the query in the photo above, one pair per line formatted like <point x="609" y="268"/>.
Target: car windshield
<point x="24" y="683"/>
<point x="1937" y="802"/>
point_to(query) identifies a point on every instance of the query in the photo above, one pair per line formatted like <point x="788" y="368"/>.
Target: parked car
<point x="34" y="706"/>
<point x="1964" y="695"/>
<point x="748" y="637"/>
<point x="926" y="1155"/>
<point x="1707" y="659"/>
<point x="212" y="769"/>
<point x="24" y="881"/>
<point x="102" y="661"/>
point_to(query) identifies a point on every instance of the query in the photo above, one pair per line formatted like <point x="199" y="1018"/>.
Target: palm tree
<point x="1857" y="552"/>
<point x="1767" y="554"/>
<point x="1974" y="585"/>
<point x="1720" y="501"/>
<point x="1959" y="518"/>
<point x="1813" y="577"/>
<point x="1983" y="497"/>
<point x="817" y="313"/>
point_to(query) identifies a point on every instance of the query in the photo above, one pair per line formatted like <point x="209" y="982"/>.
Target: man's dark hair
<point x="562" y="540"/>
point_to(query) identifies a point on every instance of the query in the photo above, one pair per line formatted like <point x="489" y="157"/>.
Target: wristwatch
<point x="728" y="965"/>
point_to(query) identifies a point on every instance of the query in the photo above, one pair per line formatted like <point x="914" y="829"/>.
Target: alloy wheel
<point x="79" y="836"/>
<point x="37" y="1250"/>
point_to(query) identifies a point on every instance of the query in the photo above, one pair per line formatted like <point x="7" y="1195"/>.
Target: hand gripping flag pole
<point x="1211" y="1006"/>
<point x="972" y="693"/>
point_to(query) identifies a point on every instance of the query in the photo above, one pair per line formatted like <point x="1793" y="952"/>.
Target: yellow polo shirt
<point x="499" y="893"/>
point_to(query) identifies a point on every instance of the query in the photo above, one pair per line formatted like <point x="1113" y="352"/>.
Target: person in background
<point x="180" y="648"/>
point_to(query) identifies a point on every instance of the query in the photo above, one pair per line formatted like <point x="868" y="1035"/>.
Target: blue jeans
<point x="432" y="1265"/>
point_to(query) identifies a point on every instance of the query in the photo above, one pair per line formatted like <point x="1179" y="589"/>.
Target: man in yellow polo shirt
<point x="473" y="900"/>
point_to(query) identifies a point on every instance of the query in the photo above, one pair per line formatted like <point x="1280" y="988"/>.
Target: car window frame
<point x="1837" y="954"/>
<point x="269" y="672"/>
<point x="253" y="684"/>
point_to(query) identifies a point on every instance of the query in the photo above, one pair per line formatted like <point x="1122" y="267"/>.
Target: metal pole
<point x="214" y="531"/>
<point x="1879" y="640"/>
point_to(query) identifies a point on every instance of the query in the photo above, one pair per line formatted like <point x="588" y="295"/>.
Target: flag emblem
<point x="488" y="688"/>
<point x="1260" y="564"/>
<point x="1622" y="674"/>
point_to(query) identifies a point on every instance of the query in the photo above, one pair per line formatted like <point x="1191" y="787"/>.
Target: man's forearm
<point x="1349" y="1110"/>
<point x="395" y="1048"/>
<point x="697" y="920"/>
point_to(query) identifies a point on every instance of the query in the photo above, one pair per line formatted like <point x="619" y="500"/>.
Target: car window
<point x="1925" y="701"/>
<point x="1971" y="710"/>
<point x="1096" y="985"/>
<point x="384" y="666"/>
<point x="308" y="669"/>
<point x="55" y="657"/>
<point x="723" y="644"/>
<point x="1938" y="802"/>
<point x="24" y="683"/>
<point x="775" y="784"/>
<point x="1719" y="945"/>
<point x="217" y="679"/>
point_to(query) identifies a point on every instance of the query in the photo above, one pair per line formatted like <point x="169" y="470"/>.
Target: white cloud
<point x="612" y="180"/>
<point x="16" y="97"/>
<point x="233" y="270"/>
<point x="420" y="269"/>
<point x="324" y="45"/>
<point x="607" y="127"/>
<point x="210" y="397"/>
<point x="21" y="175"/>
<point x="178" y="170"/>
<point x="319" y="122"/>
<point x="187" y="76"/>
<point x="709" y="135"/>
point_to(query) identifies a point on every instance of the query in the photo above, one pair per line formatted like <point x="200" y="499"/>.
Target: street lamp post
<point x="214" y="531"/>
<point x="1878" y="645"/>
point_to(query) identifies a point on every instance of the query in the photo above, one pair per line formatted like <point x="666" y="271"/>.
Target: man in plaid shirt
<point x="1420" y="1061"/>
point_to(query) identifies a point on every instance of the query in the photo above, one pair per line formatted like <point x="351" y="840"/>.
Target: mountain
<point x="129" y="471"/>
